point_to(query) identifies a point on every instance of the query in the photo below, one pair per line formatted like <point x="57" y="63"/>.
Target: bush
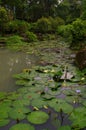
<point x="79" y="30"/>
<point x="48" y="37"/>
<point x="74" y="32"/>
<point x="18" y="26"/>
<point x="55" y="22"/>
<point x="43" y="25"/>
<point x="14" y="40"/>
<point x="66" y="32"/>
<point x="3" y="19"/>
<point x="30" y="36"/>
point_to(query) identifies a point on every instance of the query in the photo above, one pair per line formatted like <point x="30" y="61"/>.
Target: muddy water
<point x="11" y="63"/>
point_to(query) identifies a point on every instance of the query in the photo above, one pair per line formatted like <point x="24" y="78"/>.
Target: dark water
<point x="12" y="62"/>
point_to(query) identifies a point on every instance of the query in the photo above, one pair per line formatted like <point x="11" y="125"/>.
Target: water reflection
<point x="11" y="63"/>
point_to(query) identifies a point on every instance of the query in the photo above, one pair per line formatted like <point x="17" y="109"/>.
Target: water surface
<point x="12" y="62"/>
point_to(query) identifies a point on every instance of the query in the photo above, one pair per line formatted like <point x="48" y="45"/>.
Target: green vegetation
<point x="50" y="92"/>
<point x="39" y="19"/>
<point x="40" y="96"/>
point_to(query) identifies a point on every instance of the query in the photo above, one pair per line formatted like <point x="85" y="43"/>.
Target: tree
<point x="3" y="19"/>
<point x="83" y="14"/>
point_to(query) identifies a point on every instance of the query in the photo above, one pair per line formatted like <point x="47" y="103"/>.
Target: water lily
<point x="53" y="70"/>
<point x="82" y="78"/>
<point x="45" y="71"/>
<point x="78" y="91"/>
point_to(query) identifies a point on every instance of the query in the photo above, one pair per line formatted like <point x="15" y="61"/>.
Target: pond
<point x="12" y="62"/>
<point x="45" y="92"/>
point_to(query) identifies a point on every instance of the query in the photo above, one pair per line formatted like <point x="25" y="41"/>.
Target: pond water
<point x="12" y="62"/>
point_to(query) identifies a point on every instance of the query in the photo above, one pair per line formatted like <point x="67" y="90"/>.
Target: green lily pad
<point x="78" y="117"/>
<point x="38" y="103"/>
<point x="38" y="117"/>
<point x="13" y="96"/>
<point x="2" y="95"/>
<point x="60" y="104"/>
<point x="31" y="96"/>
<point x="23" y="75"/>
<point x="48" y="96"/>
<point x="18" y="112"/>
<point x="3" y="122"/>
<point x="84" y="103"/>
<point x="65" y="128"/>
<point x="4" y="109"/>
<point x="22" y="126"/>
<point x="21" y="103"/>
<point x="22" y="82"/>
<point x="69" y="92"/>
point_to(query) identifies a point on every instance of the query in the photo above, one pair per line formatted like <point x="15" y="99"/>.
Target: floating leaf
<point x="31" y="96"/>
<point x="18" y="112"/>
<point x="84" y="103"/>
<point x="22" y="126"/>
<point x="38" y="103"/>
<point x="21" y="103"/>
<point x="78" y="117"/>
<point x="59" y="104"/>
<point x="65" y="128"/>
<point x="38" y="117"/>
<point x="4" y="111"/>
<point x="3" y="122"/>
<point x="2" y="95"/>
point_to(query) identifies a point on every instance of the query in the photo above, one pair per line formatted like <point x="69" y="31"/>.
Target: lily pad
<point x="4" y="111"/>
<point x="2" y="95"/>
<point x="38" y="103"/>
<point x="38" y="117"/>
<point x="18" y="113"/>
<point x="78" y="117"/>
<point x="3" y="122"/>
<point x="60" y="104"/>
<point x="31" y="96"/>
<point x="65" y="128"/>
<point x="22" y="126"/>
<point x="21" y="103"/>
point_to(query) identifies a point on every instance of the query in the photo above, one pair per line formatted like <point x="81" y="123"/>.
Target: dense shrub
<point x="14" y="40"/>
<point x="66" y="32"/>
<point x="43" y="25"/>
<point x="30" y="36"/>
<point x="3" y="19"/>
<point x="55" y="22"/>
<point x="48" y="37"/>
<point x="79" y="29"/>
<point x="18" y="26"/>
<point x="74" y="32"/>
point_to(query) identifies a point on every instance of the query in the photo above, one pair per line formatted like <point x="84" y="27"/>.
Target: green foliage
<point x="43" y="25"/>
<point x="4" y="122"/>
<point x="14" y="40"/>
<point x="38" y="117"/>
<point x="79" y="30"/>
<point x="73" y="32"/>
<point x="66" y="32"/>
<point x="17" y="26"/>
<point x="65" y="128"/>
<point x="55" y="22"/>
<point x="83" y="14"/>
<point x="22" y="126"/>
<point x="30" y="36"/>
<point x="3" y="19"/>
